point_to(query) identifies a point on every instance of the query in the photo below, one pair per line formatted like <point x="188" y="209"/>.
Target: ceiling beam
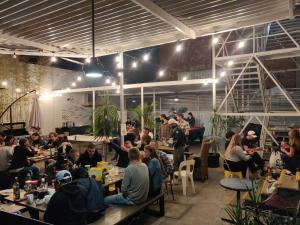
<point x="166" y="17"/>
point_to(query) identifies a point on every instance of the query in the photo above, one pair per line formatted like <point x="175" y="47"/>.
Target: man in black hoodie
<point x="68" y="205"/>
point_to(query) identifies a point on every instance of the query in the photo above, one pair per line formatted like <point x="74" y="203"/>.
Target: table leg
<point x="238" y="198"/>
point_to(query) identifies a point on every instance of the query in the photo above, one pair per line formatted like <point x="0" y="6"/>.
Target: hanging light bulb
<point x="73" y="84"/>
<point x="146" y="57"/>
<point x="87" y="60"/>
<point x="79" y="78"/>
<point x="178" y="47"/>
<point x="215" y="40"/>
<point x="113" y="83"/>
<point x="134" y="64"/>
<point x="176" y="99"/>
<point x="117" y="59"/>
<point x="107" y="81"/>
<point x="14" y="55"/>
<point x="133" y="101"/>
<point x="53" y="59"/>
<point x="118" y="91"/>
<point x="223" y="73"/>
<point x="161" y="73"/>
<point x="230" y="63"/>
<point x="4" y="83"/>
<point x="205" y="83"/>
<point x="119" y="74"/>
<point x="184" y="78"/>
<point x="241" y="44"/>
<point x="18" y="90"/>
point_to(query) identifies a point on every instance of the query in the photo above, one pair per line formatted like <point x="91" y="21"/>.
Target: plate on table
<point x="6" y="192"/>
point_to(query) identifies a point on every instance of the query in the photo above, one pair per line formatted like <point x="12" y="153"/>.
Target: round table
<point x="238" y="185"/>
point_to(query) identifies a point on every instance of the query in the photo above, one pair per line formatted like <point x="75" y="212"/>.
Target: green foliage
<point x="147" y="115"/>
<point x="106" y="118"/>
<point x="234" y="122"/>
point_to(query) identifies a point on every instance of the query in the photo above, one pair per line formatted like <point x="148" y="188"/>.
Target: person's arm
<point x="29" y="152"/>
<point x="51" y="214"/>
<point x="116" y="147"/>
<point x="291" y="151"/>
<point x="241" y="154"/>
<point x="126" y="181"/>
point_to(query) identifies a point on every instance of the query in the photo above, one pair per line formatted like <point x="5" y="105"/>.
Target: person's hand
<point x="106" y="140"/>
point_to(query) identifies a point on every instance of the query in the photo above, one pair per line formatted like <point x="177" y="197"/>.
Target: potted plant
<point x="106" y="120"/>
<point x="147" y="115"/>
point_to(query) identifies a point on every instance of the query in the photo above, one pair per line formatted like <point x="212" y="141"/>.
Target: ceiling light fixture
<point x="4" y="83"/>
<point x="146" y="57"/>
<point x="223" y="73"/>
<point x="161" y="73"/>
<point x="241" y="44"/>
<point x="88" y="60"/>
<point x="107" y="81"/>
<point x="215" y="40"/>
<point x="53" y="59"/>
<point x="14" y="55"/>
<point x="134" y="64"/>
<point x="94" y="68"/>
<point x="18" y="90"/>
<point x="184" y="78"/>
<point x="79" y="78"/>
<point x="230" y="63"/>
<point x="178" y="47"/>
<point x="73" y="84"/>
<point x="176" y="99"/>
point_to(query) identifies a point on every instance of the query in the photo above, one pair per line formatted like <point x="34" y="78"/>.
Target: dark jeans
<point x="178" y="156"/>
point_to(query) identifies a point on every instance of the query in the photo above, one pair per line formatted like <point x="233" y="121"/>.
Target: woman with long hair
<point x="291" y="152"/>
<point x="236" y="159"/>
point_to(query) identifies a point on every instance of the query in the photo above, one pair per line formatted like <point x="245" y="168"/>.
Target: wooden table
<point x="170" y="150"/>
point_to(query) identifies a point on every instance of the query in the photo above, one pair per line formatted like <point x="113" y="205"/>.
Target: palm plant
<point x="146" y="114"/>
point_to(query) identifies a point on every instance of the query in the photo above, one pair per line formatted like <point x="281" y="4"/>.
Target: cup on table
<point x="47" y="198"/>
<point x="30" y="198"/>
<point x="87" y="167"/>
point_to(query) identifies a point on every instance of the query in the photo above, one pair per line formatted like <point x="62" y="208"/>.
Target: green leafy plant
<point x="147" y="115"/>
<point x="106" y="118"/>
<point x="232" y="122"/>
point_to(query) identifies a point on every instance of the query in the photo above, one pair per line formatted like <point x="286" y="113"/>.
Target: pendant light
<point x="94" y="68"/>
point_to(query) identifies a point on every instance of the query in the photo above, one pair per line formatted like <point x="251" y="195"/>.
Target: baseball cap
<point x="251" y="133"/>
<point x="172" y="121"/>
<point x="63" y="176"/>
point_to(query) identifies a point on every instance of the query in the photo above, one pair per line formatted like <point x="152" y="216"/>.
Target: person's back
<point x="5" y="156"/>
<point x="68" y="204"/>
<point x="136" y="182"/>
<point x="156" y="177"/>
<point x="20" y="157"/>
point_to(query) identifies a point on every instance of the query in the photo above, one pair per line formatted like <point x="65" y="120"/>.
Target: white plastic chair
<point x="185" y="174"/>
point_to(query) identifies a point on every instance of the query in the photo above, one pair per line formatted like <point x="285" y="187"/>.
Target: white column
<point x="94" y="107"/>
<point x="213" y="75"/>
<point x="142" y="107"/>
<point x="154" y="114"/>
<point x="122" y="108"/>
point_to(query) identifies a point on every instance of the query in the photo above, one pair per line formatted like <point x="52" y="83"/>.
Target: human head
<point x="79" y="172"/>
<point x="128" y="144"/>
<point x="229" y="135"/>
<point x="154" y="144"/>
<point x="2" y="136"/>
<point x="163" y="117"/>
<point x="74" y="154"/>
<point x="146" y="139"/>
<point x="53" y="136"/>
<point x="10" y="141"/>
<point x="149" y="152"/>
<point x="146" y="130"/>
<point x="134" y="154"/>
<point x="251" y="135"/>
<point x="91" y="149"/>
<point x="24" y="142"/>
<point x="294" y="137"/>
<point x="190" y="114"/>
<point x="236" y="140"/>
<point x="62" y="177"/>
<point x="172" y="122"/>
<point x="179" y="117"/>
<point x="35" y="136"/>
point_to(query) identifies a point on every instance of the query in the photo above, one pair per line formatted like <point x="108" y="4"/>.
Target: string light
<point x="230" y="63"/>
<point x="113" y="83"/>
<point x="241" y="44"/>
<point x="119" y="65"/>
<point x="146" y="57"/>
<point x="67" y="89"/>
<point x="87" y="60"/>
<point x="176" y="99"/>
<point x="178" y="47"/>
<point x="133" y="101"/>
<point x="73" y="84"/>
<point x="184" y="78"/>
<point x="14" y="55"/>
<point x="134" y="64"/>
<point x="205" y="83"/>
<point x="53" y="59"/>
<point x="18" y="90"/>
<point x="79" y="78"/>
<point x="117" y="58"/>
<point x="223" y="73"/>
<point x="161" y="73"/>
<point x="107" y="81"/>
<point x="215" y="40"/>
<point x="119" y="74"/>
<point x="4" y="83"/>
<point x="118" y="91"/>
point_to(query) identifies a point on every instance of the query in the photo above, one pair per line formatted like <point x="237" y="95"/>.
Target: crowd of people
<point x="242" y="153"/>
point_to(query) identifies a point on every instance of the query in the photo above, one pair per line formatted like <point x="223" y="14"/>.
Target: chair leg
<point x="184" y="184"/>
<point x="166" y="186"/>
<point x="171" y="187"/>
<point x="192" y="183"/>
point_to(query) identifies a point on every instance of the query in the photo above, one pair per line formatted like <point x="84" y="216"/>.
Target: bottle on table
<point x="27" y="185"/>
<point x="43" y="185"/>
<point x="16" y="190"/>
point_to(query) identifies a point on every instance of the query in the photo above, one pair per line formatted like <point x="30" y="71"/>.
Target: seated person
<point x="191" y="119"/>
<point x="73" y="158"/>
<point x="135" y="185"/>
<point x="53" y="141"/>
<point x="250" y="146"/>
<point x="156" y="173"/>
<point x="90" y="157"/>
<point x="236" y="159"/>
<point x="6" y="153"/>
<point x="168" y="167"/>
<point x="65" y="146"/>
<point x="228" y="137"/>
<point x="95" y="193"/>
<point x="68" y="204"/>
<point x="291" y="152"/>
<point x="60" y="164"/>
<point x="2" y="138"/>
<point x="20" y="161"/>
<point x="36" y="140"/>
<point x="146" y="131"/>
<point x="145" y="140"/>
<point x="123" y="160"/>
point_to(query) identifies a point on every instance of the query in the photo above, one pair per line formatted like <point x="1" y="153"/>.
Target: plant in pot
<point x="106" y="121"/>
<point x="147" y="115"/>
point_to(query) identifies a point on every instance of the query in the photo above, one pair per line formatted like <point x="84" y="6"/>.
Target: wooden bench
<point x="121" y="214"/>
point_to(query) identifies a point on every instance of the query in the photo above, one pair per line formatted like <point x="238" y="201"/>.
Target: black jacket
<point x="123" y="160"/>
<point x="67" y="206"/>
<point x="20" y="157"/>
<point x="178" y="136"/>
<point x="86" y="160"/>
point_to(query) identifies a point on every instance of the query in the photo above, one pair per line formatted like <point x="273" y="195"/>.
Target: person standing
<point x="191" y="119"/>
<point x="135" y="185"/>
<point x="179" y="141"/>
<point x="164" y="128"/>
<point x="184" y="125"/>
<point x="68" y="205"/>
